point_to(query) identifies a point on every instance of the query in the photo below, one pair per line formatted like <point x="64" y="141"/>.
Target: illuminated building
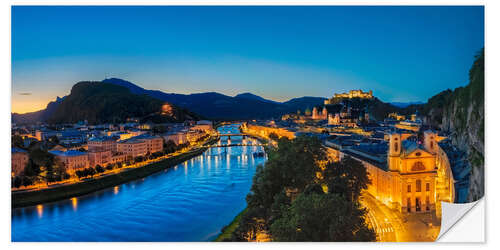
<point x="72" y="159"/>
<point x="264" y="131"/>
<point x="18" y="161"/>
<point x="177" y="137"/>
<point x="103" y="143"/>
<point x="351" y="94"/>
<point x="140" y="145"/>
<point x="405" y="174"/>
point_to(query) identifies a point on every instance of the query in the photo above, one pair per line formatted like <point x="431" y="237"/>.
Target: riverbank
<point x="24" y="199"/>
<point x="228" y="230"/>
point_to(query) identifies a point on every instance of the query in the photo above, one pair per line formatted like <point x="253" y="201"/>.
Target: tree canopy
<point x="288" y="202"/>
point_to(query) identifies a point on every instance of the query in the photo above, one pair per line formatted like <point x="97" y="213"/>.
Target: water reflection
<point x="74" y="203"/>
<point x="190" y="202"/>
<point x="39" y="210"/>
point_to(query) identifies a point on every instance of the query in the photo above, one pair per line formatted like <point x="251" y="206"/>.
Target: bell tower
<point x="393" y="158"/>
<point x="430" y="142"/>
<point x="394" y="144"/>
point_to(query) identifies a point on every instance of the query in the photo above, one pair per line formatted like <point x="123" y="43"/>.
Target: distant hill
<point x="251" y="96"/>
<point x="305" y="102"/>
<point x="218" y="106"/>
<point x="405" y="104"/>
<point x="99" y="102"/>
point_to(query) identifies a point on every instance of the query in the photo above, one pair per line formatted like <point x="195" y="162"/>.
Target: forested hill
<point x="99" y="102"/>
<point x="461" y="113"/>
<point x="216" y="106"/>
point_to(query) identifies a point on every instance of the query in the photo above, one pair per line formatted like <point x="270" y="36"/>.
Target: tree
<point x="59" y="170"/>
<point x="41" y="157"/>
<point x="169" y="147"/>
<point x="80" y="174"/>
<point x="292" y="166"/>
<point x="31" y="169"/>
<point x="273" y="136"/>
<point x="17" y="182"/>
<point x="17" y="141"/>
<point x="99" y="169"/>
<point x="307" y="112"/>
<point x="91" y="172"/>
<point x="250" y="224"/>
<point x="322" y="217"/>
<point x="109" y="166"/>
<point x="27" y="181"/>
<point x="139" y="159"/>
<point x="346" y="178"/>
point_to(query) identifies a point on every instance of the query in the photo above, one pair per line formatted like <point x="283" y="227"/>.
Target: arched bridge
<point x="229" y="135"/>
<point x="234" y="145"/>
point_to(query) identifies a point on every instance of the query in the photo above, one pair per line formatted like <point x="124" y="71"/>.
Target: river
<point x="189" y="202"/>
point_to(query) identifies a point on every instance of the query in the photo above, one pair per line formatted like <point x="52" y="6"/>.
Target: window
<point x="418" y="186"/>
<point x="432" y="144"/>
<point x="427" y="186"/>
<point x="409" y="188"/>
<point x="395" y="146"/>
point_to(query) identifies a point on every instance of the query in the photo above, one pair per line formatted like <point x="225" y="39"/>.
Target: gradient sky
<point x="401" y="53"/>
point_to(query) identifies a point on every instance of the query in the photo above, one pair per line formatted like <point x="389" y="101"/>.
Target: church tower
<point x="315" y="113"/>
<point x="393" y="158"/>
<point x="430" y="142"/>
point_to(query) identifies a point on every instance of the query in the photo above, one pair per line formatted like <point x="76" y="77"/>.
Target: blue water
<point x="189" y="202"/>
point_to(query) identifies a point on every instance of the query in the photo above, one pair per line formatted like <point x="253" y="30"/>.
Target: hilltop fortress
<point x="357" y="93"/>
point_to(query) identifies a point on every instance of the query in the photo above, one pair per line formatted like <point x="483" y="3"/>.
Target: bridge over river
<point x="234" y="145"/>
<point x="191" y="201"/>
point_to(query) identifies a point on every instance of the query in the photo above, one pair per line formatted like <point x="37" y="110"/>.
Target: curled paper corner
<point x="452" y="213"/>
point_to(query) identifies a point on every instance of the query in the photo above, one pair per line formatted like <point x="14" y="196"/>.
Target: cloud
<point x="24" y="93"/>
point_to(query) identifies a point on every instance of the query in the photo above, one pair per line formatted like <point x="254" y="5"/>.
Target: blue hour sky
<point x="401" y="53"/>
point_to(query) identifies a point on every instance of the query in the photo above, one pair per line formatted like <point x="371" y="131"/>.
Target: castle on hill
<point x="342" y="113"/>
<point x="357" y="93"/>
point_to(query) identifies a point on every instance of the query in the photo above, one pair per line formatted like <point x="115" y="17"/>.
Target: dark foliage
<point x="99" y="102"/>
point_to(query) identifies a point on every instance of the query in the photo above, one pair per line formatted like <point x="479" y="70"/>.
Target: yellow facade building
<point x="413" y="178"/>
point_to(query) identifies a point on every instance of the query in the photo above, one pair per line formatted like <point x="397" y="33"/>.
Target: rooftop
<point x="139" y="138"/>
<point x="102" y="139"/>
<point x="67" y="153"/>
<point x="18" y="150"/>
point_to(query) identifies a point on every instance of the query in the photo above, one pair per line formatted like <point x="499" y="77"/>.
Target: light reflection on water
<point x="190" y="202"/>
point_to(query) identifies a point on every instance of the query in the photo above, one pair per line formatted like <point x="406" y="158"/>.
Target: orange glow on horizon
<point x="27" y="106"/>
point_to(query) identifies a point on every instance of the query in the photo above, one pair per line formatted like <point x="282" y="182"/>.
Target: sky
<point x="402" y="53"/>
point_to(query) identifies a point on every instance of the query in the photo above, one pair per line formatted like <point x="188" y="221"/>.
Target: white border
<point x="492" y="43"/>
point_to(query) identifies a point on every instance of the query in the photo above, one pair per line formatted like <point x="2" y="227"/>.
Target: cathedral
<point x="406" y="174"/>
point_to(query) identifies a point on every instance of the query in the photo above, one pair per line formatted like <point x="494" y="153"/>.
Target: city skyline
<point x="286" y="52"/>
